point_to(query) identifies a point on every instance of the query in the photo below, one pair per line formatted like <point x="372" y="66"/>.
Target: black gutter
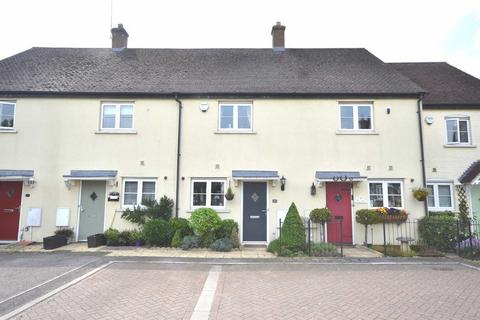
<point x="179" y="135"/>
<point x="422" y="151"/>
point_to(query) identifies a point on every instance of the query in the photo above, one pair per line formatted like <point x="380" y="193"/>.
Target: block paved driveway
<point x="141" y="290"/>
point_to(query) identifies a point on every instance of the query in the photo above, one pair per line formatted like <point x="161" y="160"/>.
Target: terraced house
<point x="86" y="133"/>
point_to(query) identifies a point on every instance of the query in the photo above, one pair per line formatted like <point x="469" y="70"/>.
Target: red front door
<point x="339" y="201"/>
<point x="10" y="199"/>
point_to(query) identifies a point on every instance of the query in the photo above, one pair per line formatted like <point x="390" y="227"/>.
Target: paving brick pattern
<point x="347" y="292"/>
<point x="127" y="291"/>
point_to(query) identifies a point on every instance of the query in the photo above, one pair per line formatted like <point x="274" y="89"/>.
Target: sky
<point x="395" y="31"/>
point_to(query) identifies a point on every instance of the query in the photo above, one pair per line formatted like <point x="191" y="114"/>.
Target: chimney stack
<point x="278" y="37"/>
<point x="119" y="38"/>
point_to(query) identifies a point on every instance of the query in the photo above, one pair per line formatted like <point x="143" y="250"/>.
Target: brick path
<point x="270" y="291"/>
<point x="347" y="292"/>
<point x="127" y="291"/>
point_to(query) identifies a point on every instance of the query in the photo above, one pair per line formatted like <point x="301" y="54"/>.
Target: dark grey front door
<point x="92" y="209"/>
<point x="254" y="211"/>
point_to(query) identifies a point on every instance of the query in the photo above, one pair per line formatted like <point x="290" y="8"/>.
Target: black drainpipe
<point x="179" y="135"/>
<point x="422" y="152"/>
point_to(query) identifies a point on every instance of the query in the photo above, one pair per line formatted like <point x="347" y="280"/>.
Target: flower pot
<point x="54" y="242"/>
<point x="96" y="240"/>
<point x="229" y="197"/>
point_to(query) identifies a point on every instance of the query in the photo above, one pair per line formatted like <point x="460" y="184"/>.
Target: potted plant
<point x="367" y="217"/>
<point x="420" y="193"/>
<point x="96" y="240"/>
<point x="66" y="232"/>
<point x="229" y="195"/>
<point x="392" y="215"/>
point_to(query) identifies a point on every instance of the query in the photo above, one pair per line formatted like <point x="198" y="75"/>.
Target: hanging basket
<point x="394" y="218"/>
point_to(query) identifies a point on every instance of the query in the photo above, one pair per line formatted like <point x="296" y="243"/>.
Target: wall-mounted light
<point x="282" y="183"/>
<point x="313" y="189"/>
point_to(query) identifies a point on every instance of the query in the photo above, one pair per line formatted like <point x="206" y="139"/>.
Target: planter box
<point x="54" y="242"/>
<point x="395" y="218"/>
<point x="96" y="240"/>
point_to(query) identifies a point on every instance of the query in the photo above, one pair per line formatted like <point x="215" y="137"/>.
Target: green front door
<point x="475" y="194"/>
<point x="92" y="209"/>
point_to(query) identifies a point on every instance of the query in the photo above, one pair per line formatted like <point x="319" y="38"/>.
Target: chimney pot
<point x="119" y="38"/>
<point x="278" y="37"/>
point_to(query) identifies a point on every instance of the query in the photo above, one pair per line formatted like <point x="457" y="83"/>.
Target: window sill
<point x="430" y="209"/>
<point x="8" y="131"/>
<point x="217" y="210"/>
<point x="355" y="132"/>
<point x="116" y="132"/>
<point x="459" y="146"/>
<point x="234" y="132"/>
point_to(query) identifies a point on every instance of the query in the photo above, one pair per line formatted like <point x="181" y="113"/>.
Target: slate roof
<point x="446" y="85"/>
<point x="471" y="173"/>
<point x="201" y="72"/>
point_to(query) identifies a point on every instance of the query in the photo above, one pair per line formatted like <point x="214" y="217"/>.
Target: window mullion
<point x="436" y="196"/>
<point x="235" y="116"/>
<point x="385" y="193"/>
<point x="208" y="191"/>
<point x="355" y="117"/>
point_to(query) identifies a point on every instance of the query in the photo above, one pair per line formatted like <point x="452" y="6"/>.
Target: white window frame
<point x="458" y="119"/>
<point x="208" y="193"/>
<point x="436" y="199"/>
<point x="139" y="191"/>
<point x="14" y="115"/>
<point x="355" y="107"/>
<point x="235" y="116"/>
<point x="385" y="192"/>
<point x="117" y="115"/>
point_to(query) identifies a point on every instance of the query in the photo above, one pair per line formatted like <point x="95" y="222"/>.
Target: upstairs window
<point x="235" y="116"/>
<point x="356" y="117"/>
<point x="440" y="196"/>
<point x="117" y="116"/>
<point x="136" y="191"/>
<point x="386" y="194"/>
<point x="7" y="115"/>
<point x="208" y="193"/>
<point x="458" y="130"/>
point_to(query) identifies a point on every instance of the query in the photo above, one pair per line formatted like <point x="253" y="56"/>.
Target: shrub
<point x="190" y="242"/>
<point x="293" y="231"/>
<point x="274" y="246"/>
<point x="235" y="238"/>
<point x="366" y="217"/>
<point x="112" y="236"/>
<point x="124" y="238"/>
<point x="322" y="215"/>
<point x="439" y="232"/>
<point x="223" y="245"/>
<point x="225" y="229"/>
<point x="66" y="232"/>
<point x="207" y="239"/>
<point x="323" y="250"/>
<point x="204" y="221"/>
<point x="150" y="209"/>
<point x="182" y="225"/>
<point x="158" y="232"/>
<point x="137" y="235"/>
<point x="177" y="239"/>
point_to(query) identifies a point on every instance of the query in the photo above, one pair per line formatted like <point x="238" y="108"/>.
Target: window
<point x="135" y="192"/>
<point x="208" y="193"/>
<point x="235" y="116"/>
<point x="440" y="196"/>
<point x="117" y="116"/>
<point x="356" y="117"/>
<point x="458" y="130"/>
<point x="386" y="194"/>
<point x="7" y="115"/>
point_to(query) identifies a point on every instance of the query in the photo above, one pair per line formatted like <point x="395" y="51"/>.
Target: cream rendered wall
<point x="298" y="137"/>
<point x="56" y="135"/>
<point x="295" y="137"/>
<point x="449" y="162"/>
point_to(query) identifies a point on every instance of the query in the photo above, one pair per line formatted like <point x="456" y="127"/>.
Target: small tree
<point x="293" y="231"/>
<point x="322" y="216"/>
<point x="150" y="209"/>
<point x="366" y="217"/>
